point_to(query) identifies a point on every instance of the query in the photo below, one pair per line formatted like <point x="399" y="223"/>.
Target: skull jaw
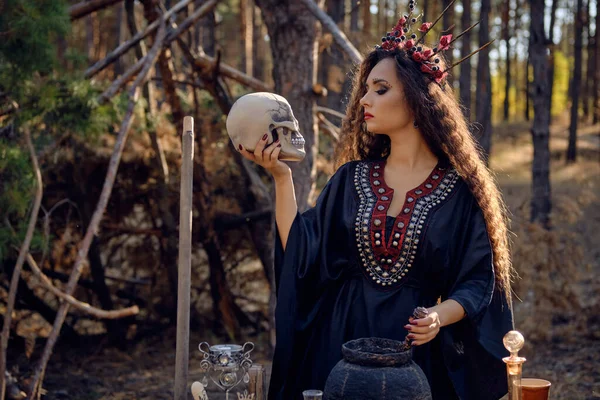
<point x="291" y="153"/>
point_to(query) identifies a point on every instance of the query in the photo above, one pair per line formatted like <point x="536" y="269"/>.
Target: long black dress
<point x="350" y="271"/>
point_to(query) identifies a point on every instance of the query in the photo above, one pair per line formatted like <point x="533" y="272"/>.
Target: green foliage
<point x="50" y="102"/>
<point x="17" y="185"/>
<point x="560" y="91"/>
<point x="517" y="99"/>
<point x="28" y="29"/>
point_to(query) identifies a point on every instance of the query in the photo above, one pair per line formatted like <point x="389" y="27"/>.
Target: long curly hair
<point x="445" y="130"/>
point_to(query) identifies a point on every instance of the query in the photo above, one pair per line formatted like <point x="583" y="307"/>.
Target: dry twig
<point x="123" y="47"/>
<point x="331" y="26"/>
<point x="80" y="305"/>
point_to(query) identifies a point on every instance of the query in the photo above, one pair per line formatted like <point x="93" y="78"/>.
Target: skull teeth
<point x="298" y="141"/>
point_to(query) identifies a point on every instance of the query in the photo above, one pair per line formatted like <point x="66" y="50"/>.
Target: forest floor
<point x="571" y="362"/>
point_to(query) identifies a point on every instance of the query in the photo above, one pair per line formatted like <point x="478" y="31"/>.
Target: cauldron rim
<point x="376" y="352"/>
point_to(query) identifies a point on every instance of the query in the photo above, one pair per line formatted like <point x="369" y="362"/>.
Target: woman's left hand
<point x="425" y="329"/>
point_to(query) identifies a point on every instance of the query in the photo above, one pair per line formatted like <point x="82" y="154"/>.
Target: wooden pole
<point x="185" y="261"/>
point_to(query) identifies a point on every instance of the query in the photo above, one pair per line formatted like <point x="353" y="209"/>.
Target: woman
<point x="412" y="217"/>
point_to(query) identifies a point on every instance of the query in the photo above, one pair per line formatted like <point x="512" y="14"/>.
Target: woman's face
<point x="385" y="107"/>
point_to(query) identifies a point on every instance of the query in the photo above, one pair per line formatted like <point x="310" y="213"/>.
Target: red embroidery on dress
<point x="388" y="259"/>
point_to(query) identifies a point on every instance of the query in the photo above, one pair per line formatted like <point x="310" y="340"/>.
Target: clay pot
<point x="377" y="369"/>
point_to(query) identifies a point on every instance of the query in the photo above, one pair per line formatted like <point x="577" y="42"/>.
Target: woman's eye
<point x="381" y="91"/>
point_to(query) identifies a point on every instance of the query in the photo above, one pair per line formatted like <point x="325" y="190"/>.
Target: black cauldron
<point x="377" y="369"/>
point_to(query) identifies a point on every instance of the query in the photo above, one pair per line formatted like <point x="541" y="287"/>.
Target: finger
<point x="268" y="152"/>
<point x="276" y="152"/>
<point x="419" y="329"/>
<point x="421" y="336"/>
<point x="423" y="321"/>
<point x="260" y="146"/>
<point x="246" y="154"/>
<point x="420" y="339"/>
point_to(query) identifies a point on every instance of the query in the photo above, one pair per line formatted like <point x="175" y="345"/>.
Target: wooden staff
<point x="185" y="261"/>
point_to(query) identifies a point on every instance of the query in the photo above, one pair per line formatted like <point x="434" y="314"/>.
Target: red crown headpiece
<point x="403" y="38"/>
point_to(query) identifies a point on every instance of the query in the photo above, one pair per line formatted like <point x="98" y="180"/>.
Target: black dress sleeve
<point x="315" y="254"/>
<point x="472" y="348"/>
<point x="310" y="256"/>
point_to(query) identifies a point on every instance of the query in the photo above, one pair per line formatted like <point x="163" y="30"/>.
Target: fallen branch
<point x="84" y="8"/>
<point x="12" y="293"/>
<point x="326" y="110"/>
<point x="121" y="81"/>
<point x="80" y="305"/>
<point x="186" y="83"/>
<point x="338" y="35"/>
<point x="208" y="63"/>
<point x="328" y="127"/>
<point x="122" y="48"/>
<point x="98" y="212"/>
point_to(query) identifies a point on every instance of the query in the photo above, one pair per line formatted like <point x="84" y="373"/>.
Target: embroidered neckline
<point x="388" y="259"/>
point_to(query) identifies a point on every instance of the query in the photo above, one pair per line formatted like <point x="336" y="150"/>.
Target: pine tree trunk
<point x="246" y="10"/>
<point x="366" y="13"/>
<point x="484" y="83"/>
<point x="447" y="22"/>
<point x="589" y="71"/>
<point x="466" y="67"/>
<point x="119" y="35"/>
<point x="354" y="15"/>
<point x="528" y="84"/>
<point x="381" y="28"/>
<point x="506" y="34"/>
<point x="576" y="87"/>
<point x="89" y="37"/>
<point x="258" y="51"/>
<point x="596" y="80"/>
<point x="552" y="49"/>
<point x="540" y="201"/>
<point x="292" y="31"/>
<point x="207" y="26"/>
<point x="333" y="67"/>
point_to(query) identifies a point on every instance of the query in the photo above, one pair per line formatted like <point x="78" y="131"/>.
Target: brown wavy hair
<point x="445" y="130"/>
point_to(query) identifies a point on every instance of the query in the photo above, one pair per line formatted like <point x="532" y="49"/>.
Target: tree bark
<point x="507" y="74"/>
<point x="540" y="131"/>
<point x="465" y="67"/>
<point x="354" y="15"/>
<point x="260" y="51"/>
<point x="366" y="14"/>
<point x="246" y="10"/>
<point x="484" y="83"/>
<point x="596" y="85"/>
<point x="85" y="7"/>
<point x="576" y="87"/>
<point x="332" y="61"/>
<point x="292" y="32"/>
<point x="552" y="49"/>
<point x="447" y="22"/>
<point x="118" y="67"/>
<point x="208" y="39"/>
<point x="589" y="71"/>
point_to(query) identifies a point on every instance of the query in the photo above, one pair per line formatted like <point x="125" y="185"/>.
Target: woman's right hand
<point x="267" y="156"/>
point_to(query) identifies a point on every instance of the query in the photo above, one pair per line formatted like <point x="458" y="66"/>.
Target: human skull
<point x="255" y="114"/>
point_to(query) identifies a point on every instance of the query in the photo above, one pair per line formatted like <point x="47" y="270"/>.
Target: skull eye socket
<point x="275" y="134"/>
